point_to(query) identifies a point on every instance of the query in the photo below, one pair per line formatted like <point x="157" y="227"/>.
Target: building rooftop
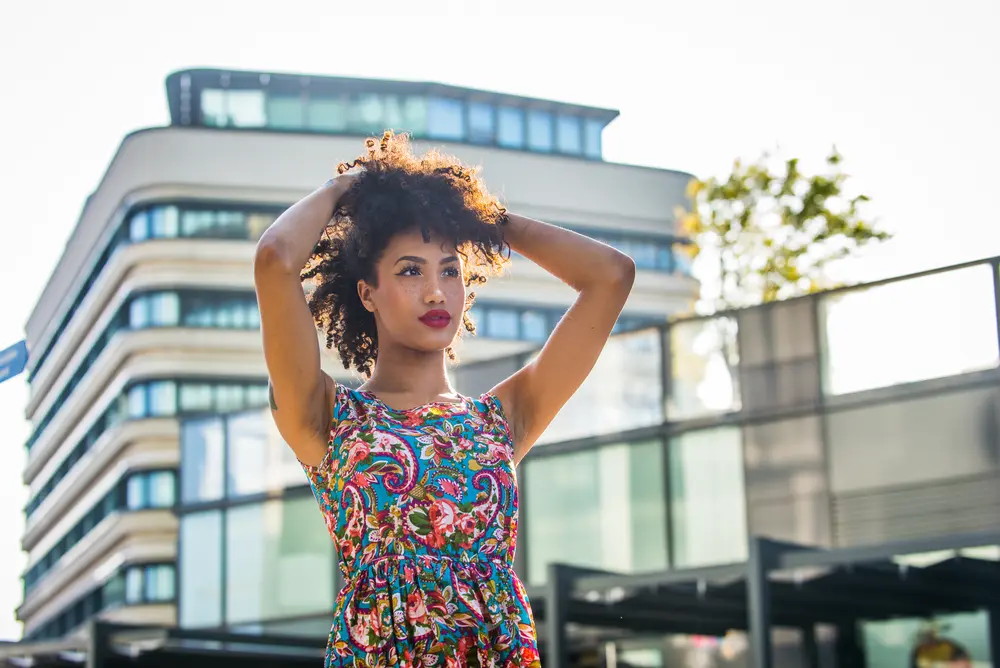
<point x="337" y="105"/>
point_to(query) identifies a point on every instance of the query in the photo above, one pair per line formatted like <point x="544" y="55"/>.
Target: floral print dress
<point x="422" y="504"/>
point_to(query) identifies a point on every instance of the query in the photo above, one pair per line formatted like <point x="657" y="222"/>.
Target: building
<point x="833" y="455"/>
<point x="150" y="318"/>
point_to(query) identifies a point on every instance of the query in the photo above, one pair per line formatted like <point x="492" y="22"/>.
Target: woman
<point x="417" y="483"/>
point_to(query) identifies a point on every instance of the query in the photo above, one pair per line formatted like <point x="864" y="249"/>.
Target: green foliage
<point x="770" y="231"/>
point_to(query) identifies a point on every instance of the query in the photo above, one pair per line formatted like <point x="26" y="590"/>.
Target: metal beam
<point x="557" y="602"/>
<point x="759" y="565"/>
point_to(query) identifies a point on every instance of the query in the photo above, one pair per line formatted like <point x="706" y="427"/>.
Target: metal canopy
<point x="782" y="584"/>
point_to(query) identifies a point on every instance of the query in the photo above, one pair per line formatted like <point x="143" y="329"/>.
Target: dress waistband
<point x="439" y="561"/>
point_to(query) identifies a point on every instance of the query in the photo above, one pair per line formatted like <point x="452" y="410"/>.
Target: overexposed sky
<point x="907" y="92"/>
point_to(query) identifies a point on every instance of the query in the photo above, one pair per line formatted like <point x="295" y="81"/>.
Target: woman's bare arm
<point x="602" y="278"/>
<point x="301" y="394"/>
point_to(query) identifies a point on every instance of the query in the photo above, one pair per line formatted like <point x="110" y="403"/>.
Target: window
<point x="245" y="108"/>
<point x="445" y="118"/>
<point x="285" y="112"/>
<point x="137" y="401"/>
<point x="163" y="222"/>
<point x="139" y="226"/>
<point x="279" y="561"/>
<point x="258" y="460"/>
<point x="510" y="127"/>
<point x="592" y="129"/>
<point x="162" y="398"/>
<point x="704" y="363"/>
<point x="540" y="131"/>
<point x="624" y="391"/>
<point x="603" y="508"/>
<point x="199" y="548"/>
<point x="213" y="108"/>
<point x="707" y="502"/>
<point x="534" y="326"/>
<point x="159" y="584"/>
<point x="134" y="586"/>
<point x="892" y="347"/>
<point x="195" y="397"/>
<point x="501" y="323"/>
<point x="569" y="134"/>
<point x="136" y="492"/>
<point x="162" y="486"/>
<point x="327" y="114"/>
<point x="482" y="123"/>
<point x="415" y="115"/>
<point x="202" y="443"/>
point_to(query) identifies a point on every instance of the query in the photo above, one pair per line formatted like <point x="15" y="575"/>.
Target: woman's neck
<point x="410" y="373"/>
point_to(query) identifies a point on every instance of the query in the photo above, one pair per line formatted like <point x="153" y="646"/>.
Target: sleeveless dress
<point x="422" y="505"/>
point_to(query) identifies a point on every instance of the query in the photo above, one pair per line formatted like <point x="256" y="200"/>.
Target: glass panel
<point x="912" y="330"/>
<point x="259" y="460"/>
<point x="257" y="223"/>
<point x="229" y="398"/>
<point x="707" y="502"/>
<point x="133" y="585"/>
<point x="213" y="108"/>
<point x="160" y="583"/>
<point x="534" y="326"/>
<point x="164" y="222"/>
<point x="917" y="441"/>
<point x="415" y="115"/>
<point x="137" y="401"/>
<point x="200" y="563"/>
<point x="135" y="492"/>
<point x="138" y="312"/>
<point x="326" y="114"/>
<point x="165" y="309"/>
<point x="602" y="508"/>
<point x="482" y="123"/>
<point x="285" y="112"/>
<point x="540" y="131"/>
<point x="245" y="108"/>
<point x="161" y="489"/>
<point x="624" y="391"/>
<point x="195" y="397"/>
<point x="139" y="226"/>
<point x="163" y="398"/>
<point x="445" y="118"/>
<point x="510" y="127"/>
<point x="280" y="561"/>
<point x="961" y="639"/>
<point x="501" y="323"/>
<point x="592" y="130"/>
<point x="368" y="116"/>
<point x="568" y="134"/>
<point x="704" y="365"/>
<point x="202" y="445"/>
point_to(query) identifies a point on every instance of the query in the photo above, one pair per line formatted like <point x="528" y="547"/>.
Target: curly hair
<point x="397" y="191"/>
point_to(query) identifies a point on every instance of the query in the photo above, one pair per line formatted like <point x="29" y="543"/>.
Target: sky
<point x="906" y="91"/>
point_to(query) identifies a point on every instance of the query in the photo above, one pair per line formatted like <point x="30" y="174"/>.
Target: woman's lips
<point x="436" y="319"/>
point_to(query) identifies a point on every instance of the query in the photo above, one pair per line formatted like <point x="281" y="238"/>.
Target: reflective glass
<point x="135" y="492"/>
<point x="534" y="326"/>
<point x="280" y="561"/>
<point x="924" y="642"/>
<point x="445" y="118"/>
<point x="258" y="460"/>
<point x="139" y="226"/>
<point x="510" y="127"/>
<point x="911" y="330"/>
<point x="327" y="114"/>
<point x="163" y="222"/>
<point x="202" y="443"/>
<point x="704" y="363"/>
<point x="540" y="131"/>
<point x="415" y="115"/>
<point x="199" y="548"/>
<point x="133" y="585"/>
<point x="245" y="108"/>
<point x="195" y="397"/>
<point x="624" y="391"/>
<point x="569" y="134"/>
<point x="482" y="123"/>
<point x="165" y="309"/>
<point x="707" y="501"/>
<point x="285" y="112"/>
<point x="162" y="485"/>
<point x="160" y="585"/>
<point x="213" y="107"/>
<point x="138" y="312"/>
<point x="501" y="323"/>
<point x="592" y="130"/>
<point x="603" y="508"/>
<point x="137" y="401"/>
<point x="229" y="398"/>
<point x="163" y="398"/>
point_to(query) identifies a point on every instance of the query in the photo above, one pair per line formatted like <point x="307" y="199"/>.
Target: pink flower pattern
<point x="422" y="505"/>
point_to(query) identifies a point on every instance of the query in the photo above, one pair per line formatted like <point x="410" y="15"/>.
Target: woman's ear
<point x="365" y="294"/>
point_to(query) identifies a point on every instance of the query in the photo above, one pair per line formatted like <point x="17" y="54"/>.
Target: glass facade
<point x="157" y="398"/>
<point x="436" y="117"/>
<point x="258" y="558"/>
<point x="142" y="490"/>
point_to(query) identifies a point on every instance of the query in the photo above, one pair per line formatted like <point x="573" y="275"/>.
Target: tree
<point x="768" y="231"/>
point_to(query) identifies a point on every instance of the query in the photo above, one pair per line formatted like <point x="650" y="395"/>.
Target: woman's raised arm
<point x="301" y="393"/>
<point x="602" y="277"/>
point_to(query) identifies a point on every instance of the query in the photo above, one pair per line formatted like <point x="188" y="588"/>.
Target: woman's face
<point x="419" y="296"/>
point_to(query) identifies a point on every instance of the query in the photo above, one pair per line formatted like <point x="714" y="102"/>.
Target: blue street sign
<point x="13" y="360"/>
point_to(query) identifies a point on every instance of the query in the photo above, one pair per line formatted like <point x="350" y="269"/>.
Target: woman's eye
<point x="410" y="271"/>
<point x="451" y="272"/>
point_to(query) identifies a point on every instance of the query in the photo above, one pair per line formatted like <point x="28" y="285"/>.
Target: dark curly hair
<point x="398" y="191"/>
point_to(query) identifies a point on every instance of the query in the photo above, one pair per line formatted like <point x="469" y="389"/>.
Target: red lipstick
<point x="437" y="318"/>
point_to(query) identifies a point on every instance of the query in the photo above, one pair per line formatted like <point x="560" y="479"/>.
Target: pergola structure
<point x="781" y="584"/>
<point x="786" y="585"/>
